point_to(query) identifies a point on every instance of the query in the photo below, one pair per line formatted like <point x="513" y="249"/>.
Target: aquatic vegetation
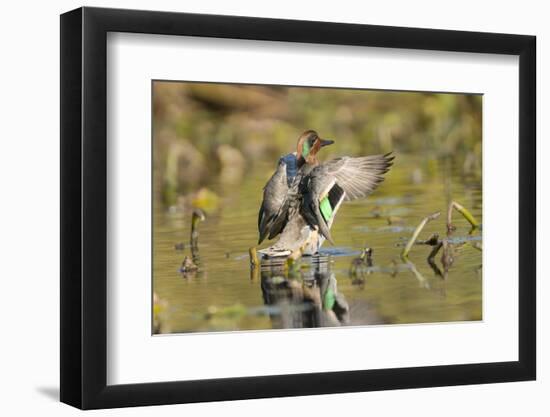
<point x="188" y="266"/>
<point x="465" y="212"/>
<point x="197" y="217"/>
<point x="447" y="245"/>
<point x="416" y="232"/>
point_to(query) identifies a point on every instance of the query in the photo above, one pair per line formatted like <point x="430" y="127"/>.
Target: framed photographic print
<point x="259" y="207"/>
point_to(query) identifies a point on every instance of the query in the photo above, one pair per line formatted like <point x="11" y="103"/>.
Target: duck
<point x="302" y="209"/>
<point x="278" y="186"/>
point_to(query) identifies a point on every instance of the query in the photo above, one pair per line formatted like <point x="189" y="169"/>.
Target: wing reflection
<point x="304" y="297"/>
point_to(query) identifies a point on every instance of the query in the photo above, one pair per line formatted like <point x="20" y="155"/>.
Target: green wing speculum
<point x="319" y="209"/>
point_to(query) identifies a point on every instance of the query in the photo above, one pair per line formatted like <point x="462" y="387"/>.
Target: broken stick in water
<point x="254" y="262"/>
<point x="197" y="217"/>
<point x="462" y="210"/>
<point x="416" y="232"/>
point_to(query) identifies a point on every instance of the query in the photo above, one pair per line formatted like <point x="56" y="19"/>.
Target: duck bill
<point x="326" y="142"/>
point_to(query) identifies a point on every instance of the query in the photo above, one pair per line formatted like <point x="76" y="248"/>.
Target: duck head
<point x="309" y="144"/>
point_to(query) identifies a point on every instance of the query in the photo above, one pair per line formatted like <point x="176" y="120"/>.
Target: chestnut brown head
<point x="309" y="145"/>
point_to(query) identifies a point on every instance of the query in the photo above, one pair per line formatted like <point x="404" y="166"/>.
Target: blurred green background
<point x="216" y="145"/>
<point x="203" y="131"/>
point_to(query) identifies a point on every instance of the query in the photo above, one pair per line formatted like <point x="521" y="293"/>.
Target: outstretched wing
<point x="337" y="180"/>
<point x="358" y="177"/>
<point x="275" y="192"/>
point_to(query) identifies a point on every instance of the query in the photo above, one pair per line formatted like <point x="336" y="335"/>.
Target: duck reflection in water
<point x="303" y="297"/>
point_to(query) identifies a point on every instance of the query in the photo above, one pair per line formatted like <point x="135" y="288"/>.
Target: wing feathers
<point x="341" y="178"/>
<point x="359" y="176"/>
<point x="336" y="180"/>
<point x="275" y="192"/>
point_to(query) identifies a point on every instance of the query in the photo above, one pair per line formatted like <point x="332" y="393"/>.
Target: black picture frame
<point x="84" y="207"/>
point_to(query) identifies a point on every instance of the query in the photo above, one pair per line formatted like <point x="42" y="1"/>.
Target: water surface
<point x="225" y="295"/>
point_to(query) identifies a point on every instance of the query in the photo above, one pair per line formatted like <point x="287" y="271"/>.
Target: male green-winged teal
<point x="279" y="185"/>
<point x="302" y="197"/>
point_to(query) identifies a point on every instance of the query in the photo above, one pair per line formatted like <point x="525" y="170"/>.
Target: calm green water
<point x="226" y="295"/>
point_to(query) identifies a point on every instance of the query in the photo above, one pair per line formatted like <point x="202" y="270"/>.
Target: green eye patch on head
<point x="305" y="149"/>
